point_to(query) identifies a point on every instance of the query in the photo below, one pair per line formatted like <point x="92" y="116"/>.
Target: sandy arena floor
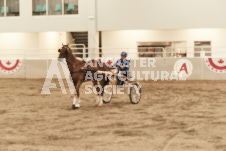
<point x="172" y="116"/>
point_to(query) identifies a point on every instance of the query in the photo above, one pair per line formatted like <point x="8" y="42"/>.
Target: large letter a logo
<point x="54" y="70"/>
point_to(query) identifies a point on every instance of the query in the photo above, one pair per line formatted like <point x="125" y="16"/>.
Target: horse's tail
<point x="106" y="82"/>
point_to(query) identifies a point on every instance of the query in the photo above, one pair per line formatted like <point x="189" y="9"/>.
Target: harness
<point x="83" y="70"/>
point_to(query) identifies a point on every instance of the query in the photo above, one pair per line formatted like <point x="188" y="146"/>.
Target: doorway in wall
<point x="162" y="49"/>
<point x="202" y="46"/>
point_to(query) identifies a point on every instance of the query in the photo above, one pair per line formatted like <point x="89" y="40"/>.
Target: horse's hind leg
<point x="99" y="100"/>
<point x="102" y="85"/>
<point x="77" y="100"/>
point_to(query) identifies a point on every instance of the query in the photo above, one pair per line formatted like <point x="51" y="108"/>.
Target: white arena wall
<point x="34" y="43"/>
<point x="28" y="23"/>
<point x="122" y="15"/>
<point x="113" y="41"/>
<point x="198" y="70"/>
<point x="128" y="39"/>
<point x="122" y="23"/>
<point x="160" y="14"/>
<point x="134" y="16"/>
<point x="19" y="40"/>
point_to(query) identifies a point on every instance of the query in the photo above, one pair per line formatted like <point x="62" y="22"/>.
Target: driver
<point x="123" y="67"/>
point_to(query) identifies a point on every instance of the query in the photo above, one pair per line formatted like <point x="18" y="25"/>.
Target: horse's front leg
<point x="77" y="100"/>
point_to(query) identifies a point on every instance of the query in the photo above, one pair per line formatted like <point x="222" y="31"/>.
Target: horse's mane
<point x="76" y="60"/>
<point x="72" y="56"/>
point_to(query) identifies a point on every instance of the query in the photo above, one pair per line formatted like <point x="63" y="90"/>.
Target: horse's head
<point x="64" y="52"/>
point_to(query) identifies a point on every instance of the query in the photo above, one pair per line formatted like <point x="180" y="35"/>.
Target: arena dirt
<point x="172" y="116"/>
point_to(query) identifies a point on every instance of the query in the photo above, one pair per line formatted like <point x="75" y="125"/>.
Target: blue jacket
<point x="124" y="63"/>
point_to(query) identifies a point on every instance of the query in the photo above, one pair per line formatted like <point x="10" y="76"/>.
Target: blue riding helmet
<point x="124" y="54"/>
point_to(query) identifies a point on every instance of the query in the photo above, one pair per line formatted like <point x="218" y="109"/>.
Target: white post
<point x="4" y="8"/>
<point x="93" y="34"/>
<point x="163" y="52"/>
<point x="203" y="54"/>
<point x="47" y="7"/>
<point x="84" y="53"/>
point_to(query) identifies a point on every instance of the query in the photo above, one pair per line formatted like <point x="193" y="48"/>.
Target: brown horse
<point x="79" y="69"/>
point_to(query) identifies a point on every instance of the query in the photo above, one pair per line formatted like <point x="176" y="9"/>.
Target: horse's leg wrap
<point x="100" y="101"/>
<point x="73" y="104"/>
<point x="97" y="100"/>
<point x="76" y="102"/>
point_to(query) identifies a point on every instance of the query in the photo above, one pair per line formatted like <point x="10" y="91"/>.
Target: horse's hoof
<point x="99" y="104"/>
<point x="74" y="107"/>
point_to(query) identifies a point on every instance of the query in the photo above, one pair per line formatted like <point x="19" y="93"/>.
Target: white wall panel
<point x="38" y="69"/>
<point x="35" y="44"/>
<point x="18" y="40"/>
<point x="28" y="23"/>
<point x="160" y="14"/>
<point x="129" y="38"/>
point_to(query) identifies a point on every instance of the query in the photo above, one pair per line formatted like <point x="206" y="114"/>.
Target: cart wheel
<point x="107" y="95"/>
<point x="135" y="93"/>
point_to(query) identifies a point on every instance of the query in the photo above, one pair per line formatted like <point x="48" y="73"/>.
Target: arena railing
<point x="168" y="52"/>
<point x="83" y="52"/>
<point x="36" y="62"/>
